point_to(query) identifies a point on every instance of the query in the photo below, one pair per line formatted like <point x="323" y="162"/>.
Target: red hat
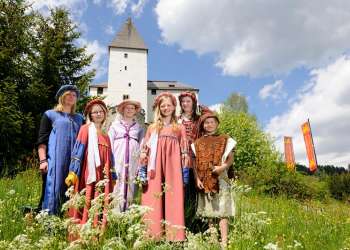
<point x="121" y="106"/>
<point x="167" y="94"/>
<point x="91" y="103"/>
<point x="206" y="113"/>
<point x="189" y="94"/>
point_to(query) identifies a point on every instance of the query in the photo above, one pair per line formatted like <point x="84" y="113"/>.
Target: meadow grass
<point x="294" y="224"/>
<point x="262" y="222"/>
<point x="23" y="190"/>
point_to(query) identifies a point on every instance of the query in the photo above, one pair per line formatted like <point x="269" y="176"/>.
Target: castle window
<point x="125" y="97"/>
<point x="99" y="91"/>
<point x="153" y="91"/>
<point x="129" y="84"/>
<point x="125" y="55"/>
<point x="126" y="67"/>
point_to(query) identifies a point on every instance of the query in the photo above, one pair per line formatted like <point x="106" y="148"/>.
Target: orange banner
<point x="310" y="149"/>
<point x="289" y="153"/>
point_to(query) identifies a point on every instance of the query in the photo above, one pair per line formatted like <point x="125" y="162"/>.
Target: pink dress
<point x="165" y="191"/>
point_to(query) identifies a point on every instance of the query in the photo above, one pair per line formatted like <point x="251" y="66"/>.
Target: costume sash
<point x="93" y="154"/>
<point x="152" y="144"/>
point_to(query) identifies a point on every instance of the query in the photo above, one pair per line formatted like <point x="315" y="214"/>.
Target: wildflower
<point x="271" y="246"/>
<point x="101" y="185"/>
<point x="114" y="243"/>
<point x="134" y="231"/>
<point x="138" y="244"/>
<point x="75" y="245"/>
<point x="21" y="238"/>
<point x="45" y="242"/>
<point x="70" y="191"/>
<point x="43" y="214"/>
<point x="11" y="192"/>
<point x="297" y="244"/>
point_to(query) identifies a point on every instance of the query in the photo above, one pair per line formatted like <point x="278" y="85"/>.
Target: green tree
<point x="16" y="51"/>
<point x="236" y="102"/>
<point x="37" y="55"/>
<point x="60" y="61"/>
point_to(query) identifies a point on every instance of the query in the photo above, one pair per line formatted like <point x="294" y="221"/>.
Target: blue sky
<point x="290" y="58"/>
<point x="169" y="62"/>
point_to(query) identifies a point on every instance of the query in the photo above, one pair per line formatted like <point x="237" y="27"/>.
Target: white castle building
<point x="127" y="73"/>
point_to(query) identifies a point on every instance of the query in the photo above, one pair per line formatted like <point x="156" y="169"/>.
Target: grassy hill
<point x="262" y="222"/>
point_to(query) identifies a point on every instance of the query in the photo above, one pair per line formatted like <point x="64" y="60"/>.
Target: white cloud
<point x="110" y="30"/>
<point x="327" y="104"/>
<point x="98" y="62"/>
<point x="216" y="107"/>
<point x="274" y="91"/>
<point x="258" y="37"/>
<point x="75" y="7"/>
<point x="137" y="8"/>
<point x="119" y="6"/>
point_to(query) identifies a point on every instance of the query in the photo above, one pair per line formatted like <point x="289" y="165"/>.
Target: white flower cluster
<point x="209" y="240"/>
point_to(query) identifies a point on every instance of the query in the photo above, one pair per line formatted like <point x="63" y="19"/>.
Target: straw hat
<point x="121" y="106"/>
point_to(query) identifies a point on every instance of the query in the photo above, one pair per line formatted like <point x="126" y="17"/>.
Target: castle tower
<point x="127" y="70"/>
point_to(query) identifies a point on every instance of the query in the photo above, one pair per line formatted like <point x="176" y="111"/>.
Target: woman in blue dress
<point x="58" y="131"/>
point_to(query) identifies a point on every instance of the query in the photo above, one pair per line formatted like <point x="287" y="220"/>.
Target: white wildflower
<point x="271" y="246"/>
<point x="297" y="244"/>
<point x="42" y="214"/>
<point x="114" y="243"/>
<point x="11" y="192"/>
<point x="70" y="191"/>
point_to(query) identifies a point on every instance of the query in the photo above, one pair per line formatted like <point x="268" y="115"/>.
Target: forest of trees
<point x="37" y="55"/>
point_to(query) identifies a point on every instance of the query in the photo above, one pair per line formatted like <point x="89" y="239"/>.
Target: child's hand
<point x="152" y="174"/>
<point x="218" y="170"/>
<point x="114" y="183"/>
<point x="43" y="167"/>
<point x="143" y="156"/>
<point x="185" y="160"/>
<point x="199" y="183"/>
<point x="71" y="179"/>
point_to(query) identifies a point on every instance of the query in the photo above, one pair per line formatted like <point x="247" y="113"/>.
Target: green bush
<point x="258" y="164"/>
<point x="254" y="147"/>
<point x="279" y="181"/>
<point x="339" y="186"/>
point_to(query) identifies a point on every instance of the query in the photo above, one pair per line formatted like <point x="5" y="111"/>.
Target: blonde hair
<point x="60" y="106"/>
<point x="105" y="111"/>
<point x="158" y="118"/>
